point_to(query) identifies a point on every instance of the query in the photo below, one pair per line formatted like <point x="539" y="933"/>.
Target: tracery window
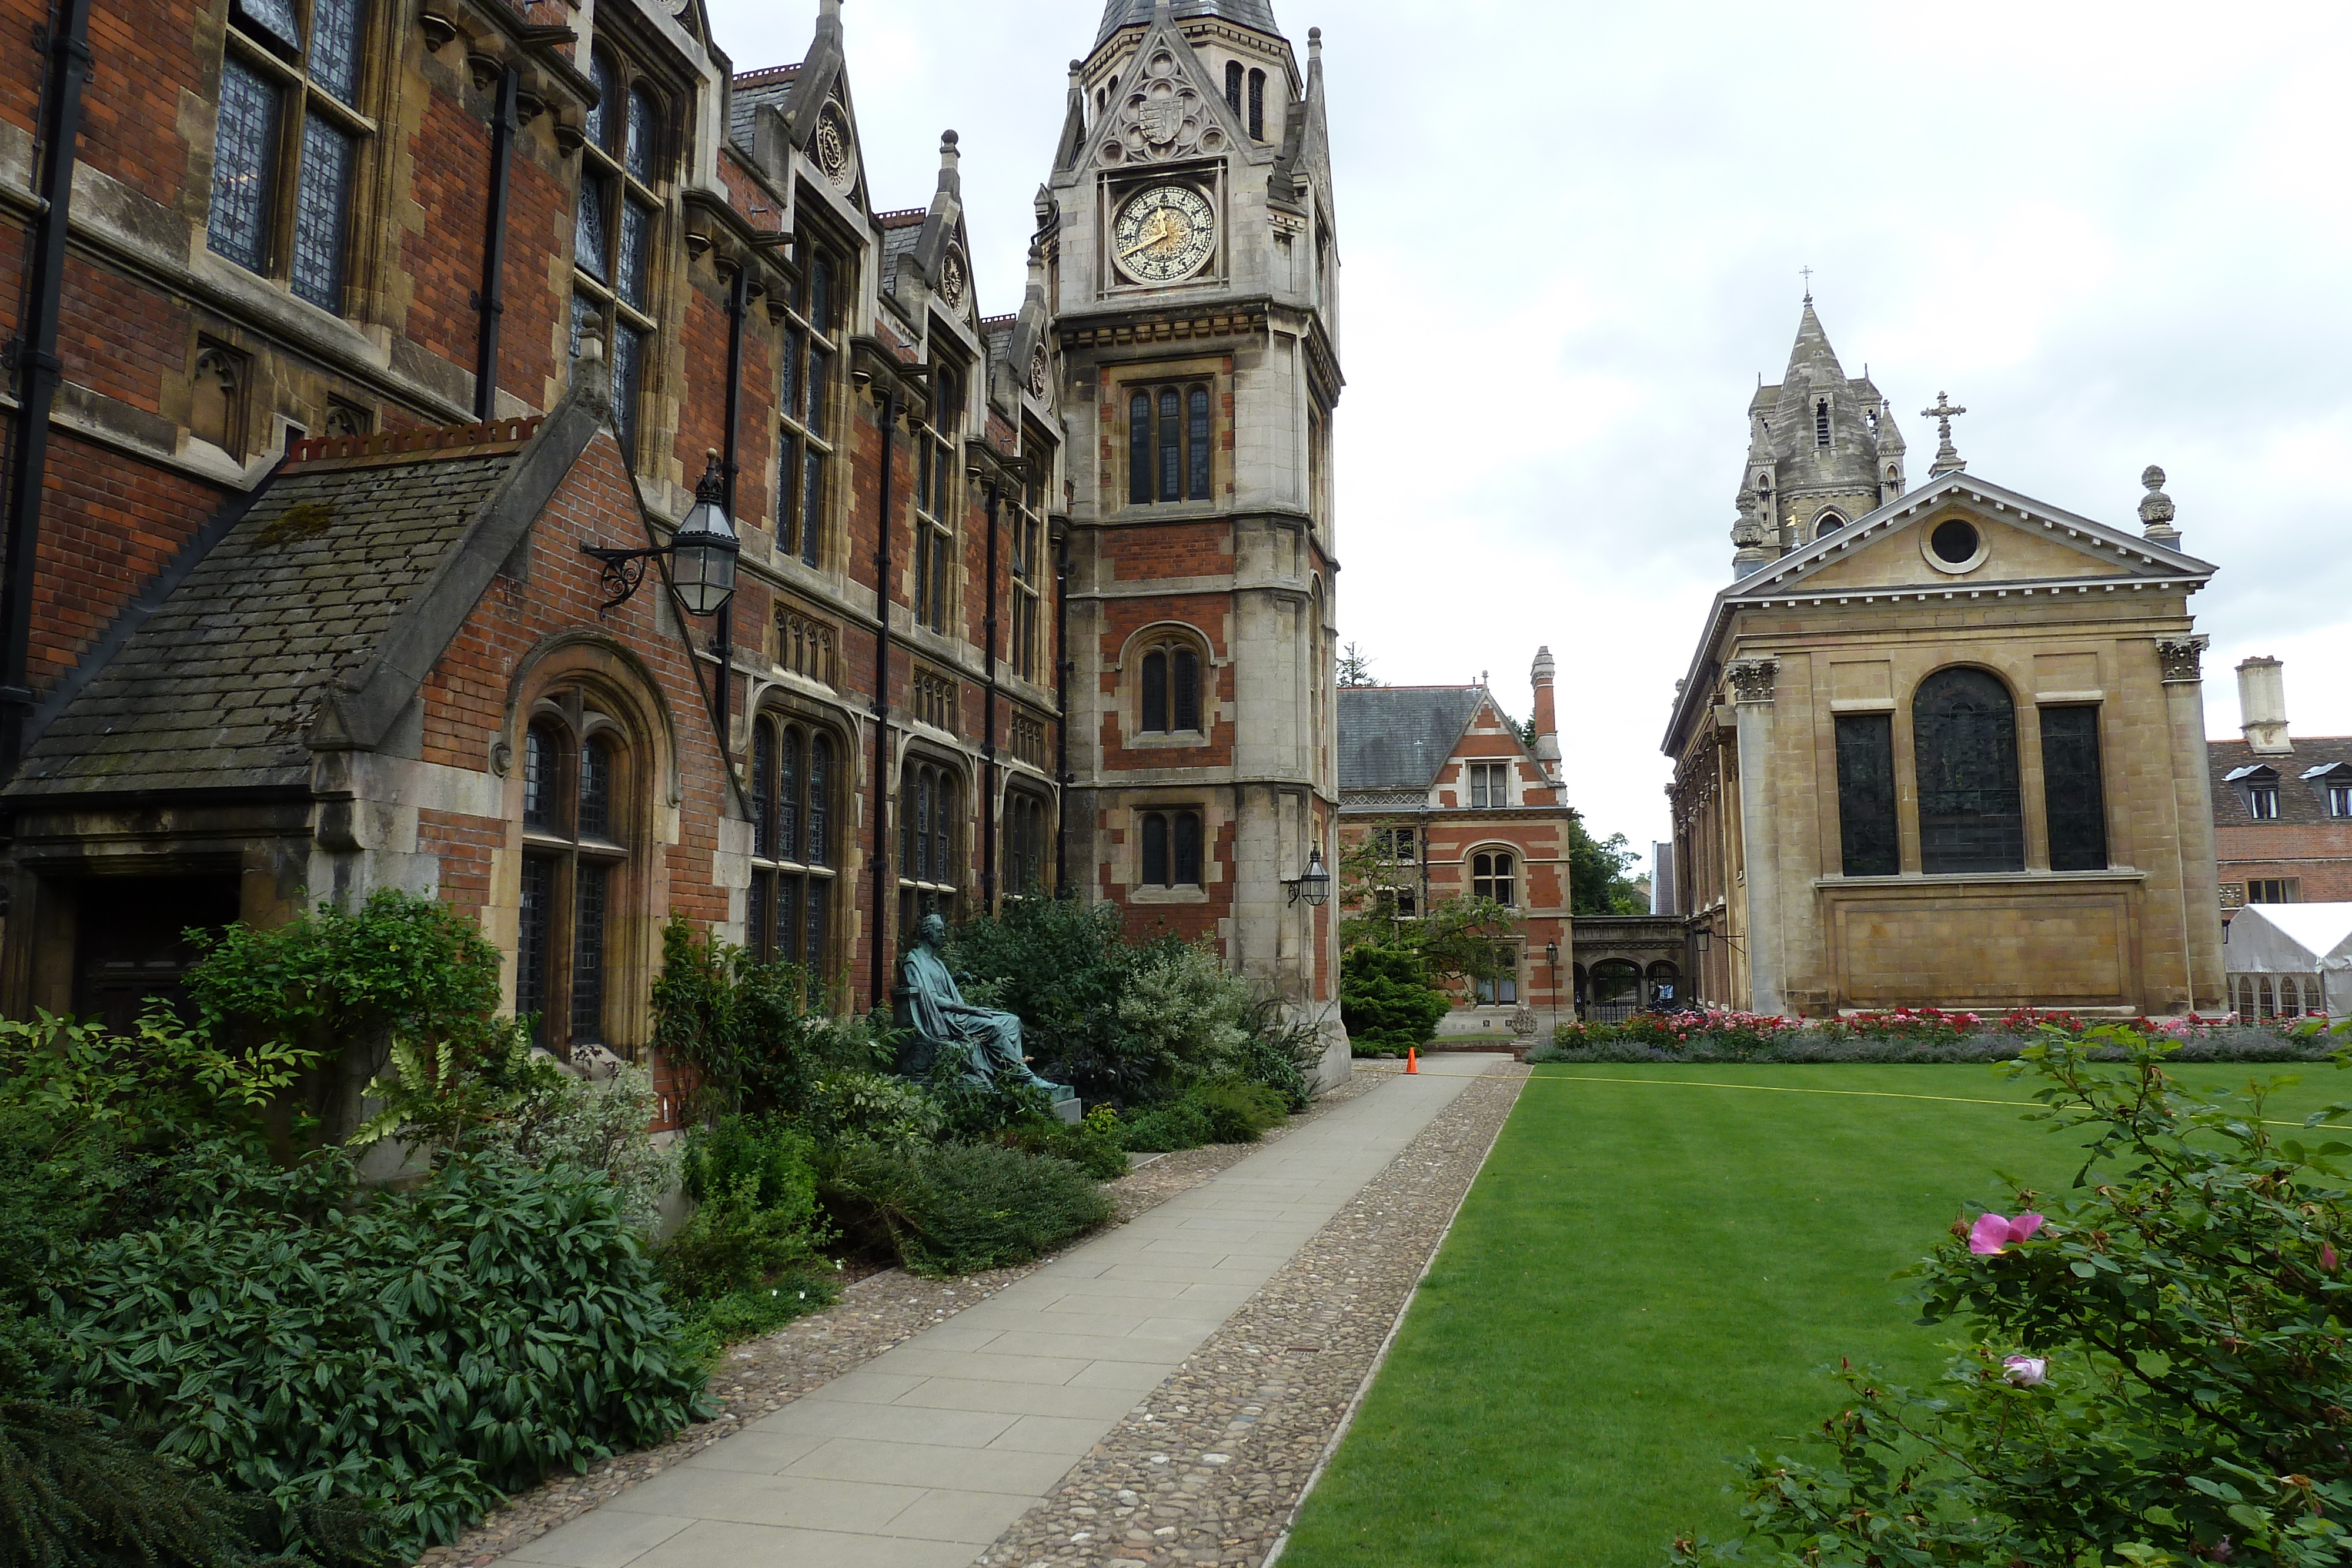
<point x="1028" y="561"/>
<point x="1964" y="735"/>
<point x="286" y="142"/>
<point x="935" y="494"/>
<point x="2073" y="792"/>
<point x="794" y="775"/>
<point x="623" y="162"/>
<point x="1867" y="836"/>
<point x="1170" y="454"/>
<point x="1027" y="842"/>
<point x="1170" y="690"/>
<point x="804" y="445"/>
<point x="580" y="788"/>
<point x="1493" y="875"/>
<point x="1171" y="849"/>
<point x="929" y="816"/>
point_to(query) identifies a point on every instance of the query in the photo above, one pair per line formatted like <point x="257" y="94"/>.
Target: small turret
<point x="1822" y="450"/>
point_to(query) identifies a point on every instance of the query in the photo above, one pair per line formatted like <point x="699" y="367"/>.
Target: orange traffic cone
<point x="1412" y="1060"/>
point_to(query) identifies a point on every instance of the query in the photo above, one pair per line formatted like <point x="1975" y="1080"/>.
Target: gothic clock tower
<point x="1193" y="266"/>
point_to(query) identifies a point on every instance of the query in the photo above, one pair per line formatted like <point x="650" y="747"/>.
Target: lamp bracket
<point x="623" y="570"/>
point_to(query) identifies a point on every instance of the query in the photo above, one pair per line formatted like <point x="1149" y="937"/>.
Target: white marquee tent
<point x="2287" y="960"/>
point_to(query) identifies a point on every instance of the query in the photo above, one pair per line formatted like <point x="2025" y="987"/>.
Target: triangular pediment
<point x="1165" y="108"/>
<point x="1959" y="532"/>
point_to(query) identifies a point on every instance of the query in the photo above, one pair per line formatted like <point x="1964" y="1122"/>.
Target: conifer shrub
<point x="962" y="1208"/>
<point x="1386" y="998"/>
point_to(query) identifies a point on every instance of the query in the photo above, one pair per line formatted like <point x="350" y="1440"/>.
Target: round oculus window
<point x="1956" y="542"/>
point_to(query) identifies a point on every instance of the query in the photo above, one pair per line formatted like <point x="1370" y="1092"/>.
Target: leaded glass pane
<point x="1197" y="435"/>
<point x="335" y="46"/>
<point x="323" y="201"/>
<point x="587" y="321"/>
<point x="594" y="883"/>
<point x="763" y="792"/>
<point x="604" y="112"/>
<point x="2073" y="791"/>
<point x="628" y="358"/>
<point x="588" y="237"/>
<point x="788" y="392"/>
<point x="1172" y="431"/>
<point x="1155" y="692"/>
<point x="1155" y="850"/>
<point x="1866" y="763"/>
<point x="820" y="292"/>
<point x="531" y="944"/>
<point x="788" y="486"/>
<point x="812" y="506"/>
<point x="274" y="20"/>
<point x="788" y="799"/>
<point x="759" y="933"/>
<point x="943" y="834"/>
<point x="1188" y="848"/>
<point x="820" y="368"/>
<point x="820" y="842"/>
<point x="244" y="150"/>
<point x="596" y="791"/>
<point x="923" y="826"/>
<point x="1187" y="689"/>
<point x="539" y="779"/>
<point x="644" y="130"/>
<point x="636" y="251"/>
<point x="1138" y="449"/>
<point x="820" y="895"/>
<point x="1964" y="732"/>
<point x="788" y="918"/>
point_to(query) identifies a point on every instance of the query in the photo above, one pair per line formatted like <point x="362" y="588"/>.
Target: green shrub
<point x="596" y="1127"/>
<point x="754" y="1035"/>
<point x="1164" y="1128"/>
<point x="758" y="1310"/>
<point x="1279" y="1053"/>
<point x="2156" y="1363"/>
<point x="963" y="1207"/>
<point x="1183" y="1011"/>
<point x="773" y="1158"/>
<point x="1386" y="1000"/>
<point x="732" y="1244"/>
<point x="1227" y="1110"/>
<point x="1093" y="1145"/>
<point x="420" y="1353"/>
<point x="862" y="1106"/>
<point x="1062" y="966"/>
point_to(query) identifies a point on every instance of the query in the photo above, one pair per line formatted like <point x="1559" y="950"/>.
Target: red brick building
<point x="2282" y="803"/>
<point x="1462" y="806"/>
<point x="351" y="328"/>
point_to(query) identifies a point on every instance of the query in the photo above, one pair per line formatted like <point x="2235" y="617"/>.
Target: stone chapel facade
<point x="1949" y="749"/>
<point x="352" y="328"/>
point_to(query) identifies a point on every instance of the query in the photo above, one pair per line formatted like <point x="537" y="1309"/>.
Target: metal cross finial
<point x="1948" y="456"/>
<point x="1807" y="273"/>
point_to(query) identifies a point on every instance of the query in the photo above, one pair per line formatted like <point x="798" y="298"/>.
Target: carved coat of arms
<point x="1161" y="119"/>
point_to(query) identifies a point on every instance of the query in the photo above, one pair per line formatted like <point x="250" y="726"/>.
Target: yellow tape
<point x="1784" y="1089"/>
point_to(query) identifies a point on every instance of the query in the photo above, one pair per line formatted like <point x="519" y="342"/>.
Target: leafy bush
<point x="1094" y="1145"/>
<point x="164" y="1085"/>
<point x="2157" y="1365"/>
<point x="595" y="1127"/>
<point x="758" y="1310"/>
<point x="1167" y="1127"/>
<point x="1279" y="1053"/>
<point x="406" y="983"/>
<point x="865" y="1106"/>
<point x="963" y="1207"/>
<point x="1063" y="967"/>
<point x="742" y="1157"/>
<point x="1386" y="1000"/>
<point x="752" y="1033"/>
<point x="1228" y="1111"/>
<point x="1183" y="1012"/>
<point x="757" y="1214"/>
<point x="420" y="1353"/>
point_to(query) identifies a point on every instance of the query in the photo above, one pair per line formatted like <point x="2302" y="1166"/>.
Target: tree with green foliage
<point x="1465" y="938"/>
<point x="1597" y="879"/>
<point x="2155" y="1367"/>
<point x="1356" y="667"/>
<point x="1386" y="998"/>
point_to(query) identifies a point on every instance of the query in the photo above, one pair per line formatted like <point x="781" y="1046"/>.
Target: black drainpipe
<point x="988" y="727"/>
<point x="33" y="357"/>
<point x="723" y="635"/>
<point x="882" y="711"/>
<point x="1062" y="708"/>
<point x="492" y="299"/>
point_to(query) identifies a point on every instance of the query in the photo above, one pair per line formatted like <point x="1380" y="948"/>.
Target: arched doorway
<point x="1616" y="990"/>
<point x="1663" y="984"/>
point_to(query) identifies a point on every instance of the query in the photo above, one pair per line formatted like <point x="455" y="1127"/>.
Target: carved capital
<point x="1751" y="679"/>
<point x="2180" y="657"/>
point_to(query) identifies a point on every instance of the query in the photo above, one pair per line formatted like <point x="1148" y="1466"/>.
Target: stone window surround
<point x="1165" y="635"/>
<point x="1127" y="869"/>
<point x="1120" y="382"/>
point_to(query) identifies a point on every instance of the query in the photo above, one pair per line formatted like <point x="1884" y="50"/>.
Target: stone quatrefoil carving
<point x="1164" y="117"/>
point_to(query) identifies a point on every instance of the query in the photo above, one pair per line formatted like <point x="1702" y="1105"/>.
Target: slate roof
<point x="2300" y="800"/>
<point x="901" y="233"/>
<point x="218" y="686"/>
<point x="753" y="90"/>
<point x="1397" y="738"/>
<point x="1118" y="14"/>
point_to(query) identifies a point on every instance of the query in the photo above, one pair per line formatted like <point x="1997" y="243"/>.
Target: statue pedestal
<point x="1069" y="1110"/>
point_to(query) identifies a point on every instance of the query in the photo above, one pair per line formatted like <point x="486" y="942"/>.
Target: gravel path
<point x="873" y="1314"/>
<point x="1210" y="1467"/>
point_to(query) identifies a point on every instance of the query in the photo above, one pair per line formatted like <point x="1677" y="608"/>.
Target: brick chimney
<point x="2262" y="706"/>
<point x="1546" y="720"/>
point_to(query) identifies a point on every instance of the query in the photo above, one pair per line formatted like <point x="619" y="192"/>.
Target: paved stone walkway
<point x="927" y="1454"/>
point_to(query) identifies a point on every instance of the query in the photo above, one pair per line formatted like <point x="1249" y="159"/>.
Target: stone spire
<point x="1821" y="451"/>
<point x="1118" y="14"/>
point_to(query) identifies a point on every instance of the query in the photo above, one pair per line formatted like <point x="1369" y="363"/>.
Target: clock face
<point x="1164" y="235"/>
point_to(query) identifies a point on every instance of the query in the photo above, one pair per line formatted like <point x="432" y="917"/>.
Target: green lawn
<point x="1644" y="1283"/>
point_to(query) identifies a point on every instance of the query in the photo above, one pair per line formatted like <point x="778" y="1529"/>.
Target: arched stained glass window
<point x="1187" y="692"/>
<point x="1234" y="84"/>
<point x="1964" y="737"/>
<point x="820" y="797"/>
<point x="577" y="825"/>
<point x="792" y="884"/>
<point x="596" y="789"/>
<point x="1257" y="106"/>
<point x="927" y="805"/>
<point x="1155" y="692"/>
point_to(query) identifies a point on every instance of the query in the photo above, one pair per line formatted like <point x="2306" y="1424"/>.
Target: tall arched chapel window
<point x="1234" y="84"/>
<point x="1964" y="737"/>
<point x="579" y="792"/>
<point x="930" y="819"/>
<point x="790" y="909"/>
<point x="1257" y="106"/>
<point x="623" y="167"/>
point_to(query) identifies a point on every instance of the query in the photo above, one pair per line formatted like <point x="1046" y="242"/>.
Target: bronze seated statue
<point x="942" y="1026"/>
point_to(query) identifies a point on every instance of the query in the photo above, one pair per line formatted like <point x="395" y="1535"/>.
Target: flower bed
<point x="1913" y="1035"/>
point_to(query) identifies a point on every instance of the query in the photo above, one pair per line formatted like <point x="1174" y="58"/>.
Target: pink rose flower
<point x="1992" y="1233"/>
<point x="2026" y="1371"/>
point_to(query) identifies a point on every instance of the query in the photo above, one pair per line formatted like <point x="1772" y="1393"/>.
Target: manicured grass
<point x="1644" y="1283"/>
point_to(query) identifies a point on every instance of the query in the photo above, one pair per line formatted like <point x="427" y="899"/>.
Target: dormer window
<point x="2262" y="803"/>
<point x="2258" y="788"/>
<point x="1822" y="422"/>
<point x="2332" y="782"/>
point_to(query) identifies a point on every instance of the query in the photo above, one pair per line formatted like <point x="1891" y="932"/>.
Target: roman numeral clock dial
<point x="1163" y="234"/>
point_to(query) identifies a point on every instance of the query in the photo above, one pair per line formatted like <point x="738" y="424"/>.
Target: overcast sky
<point x="2119" y="233"/>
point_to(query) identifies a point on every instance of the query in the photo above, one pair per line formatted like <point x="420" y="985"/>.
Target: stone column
<point x="2181" y="662"/>
<point x="1751" y="686"/>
